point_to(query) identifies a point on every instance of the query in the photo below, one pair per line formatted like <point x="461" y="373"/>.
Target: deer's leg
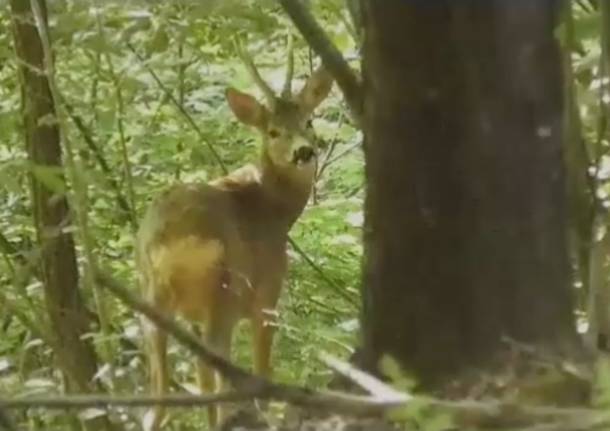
<point x="263" y="326"/>
<point x="156" y="341"/>
<point x="219" y="333"/>
<point x="264" y="323"/>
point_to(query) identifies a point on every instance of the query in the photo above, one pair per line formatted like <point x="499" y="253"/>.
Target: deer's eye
<point x="273" y="133"/>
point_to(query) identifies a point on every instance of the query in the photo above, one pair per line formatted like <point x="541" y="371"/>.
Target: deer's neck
<point x="286" y="189"/>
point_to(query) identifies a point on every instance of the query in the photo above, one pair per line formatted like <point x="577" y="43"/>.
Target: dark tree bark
<point x="465" y="226"/>
<point x="67" y="312"/>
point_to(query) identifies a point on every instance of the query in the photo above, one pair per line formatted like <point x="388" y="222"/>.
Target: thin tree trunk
<point x="465" y="226"/>
<point x="67" y="312"/>
<point x="581" y="202"/>
<point x="599" y="306"/>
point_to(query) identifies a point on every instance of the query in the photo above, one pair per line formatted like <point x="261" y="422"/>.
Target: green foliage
<point x="105" y="53"/>
<point x="602" y="384"/>
<point x="417" y="413"/>
<point x="190" y="47"/>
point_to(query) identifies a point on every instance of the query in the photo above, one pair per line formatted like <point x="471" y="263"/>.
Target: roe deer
<point x="216" y="253"/>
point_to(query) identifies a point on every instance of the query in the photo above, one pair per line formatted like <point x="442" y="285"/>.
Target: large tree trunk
<point x="67" y="313"/>
<point x="465" y="212"/>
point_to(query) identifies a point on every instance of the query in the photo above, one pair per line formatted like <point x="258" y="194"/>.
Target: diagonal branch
<point x="101" y="161"/>
<point x="313" y="265"/>
<point x="181" y="108"/>
<point x="242" y="380"/>
<point x="237" y="376"/>
<point x="367" y="382"/>
<point x="86" y="401"/>
<point x="331" y="57"/>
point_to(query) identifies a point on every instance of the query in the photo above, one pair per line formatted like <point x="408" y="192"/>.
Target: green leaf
<point x="159" y="41"/>
<point x="51" y="176"/>
<point x="602" y="384"/>
<point x="587" y="27"/>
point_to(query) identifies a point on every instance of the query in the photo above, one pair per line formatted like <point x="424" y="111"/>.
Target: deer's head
<point x="283" y="121"/>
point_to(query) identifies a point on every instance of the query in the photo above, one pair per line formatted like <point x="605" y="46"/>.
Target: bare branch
<point x="331" y="57"/>
<point x="183" y="111"/>
<point x="328" y="161"/>
<point x="105" y="401"/>
<point x="332" y="283"/>
<point x="120" y="120"/>
<point x="101" y="161"/>
<point x="240" y="378"/>
<point x="366" y="381"/>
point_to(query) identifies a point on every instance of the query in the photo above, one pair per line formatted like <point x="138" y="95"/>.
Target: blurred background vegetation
<point x="136" y="76"/>
<point x="144" y="82"/>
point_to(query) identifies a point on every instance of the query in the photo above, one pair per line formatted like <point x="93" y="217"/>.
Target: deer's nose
<point x="303" y="154"/>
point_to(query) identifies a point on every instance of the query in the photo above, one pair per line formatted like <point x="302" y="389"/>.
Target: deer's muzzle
<point x="303" y="155"/>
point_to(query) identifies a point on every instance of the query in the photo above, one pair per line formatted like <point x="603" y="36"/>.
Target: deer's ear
<point x="315" y="90"/>
<point x="246" y="108"/>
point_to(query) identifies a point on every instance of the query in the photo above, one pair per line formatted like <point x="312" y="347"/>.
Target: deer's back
<point x="203" y="243"/>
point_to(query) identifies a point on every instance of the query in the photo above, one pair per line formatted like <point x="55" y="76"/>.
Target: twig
<point x="237" y="376"/>
<point x="332" y="283"/>
<point x="181" y="93"/>
<point x="322" y="307"/>
<point x="331" y="57"/>
<point x="344" y="152"/>
<point x="331" y="149"/>
<point x="120" y="105"/>
<point x="86" y="401"/>
<point x="101" y="161"/>
<point x="586" y="6"/>
<point x="367" y="382"/>
<point x="95" y="82"/>
<point x="177" y="104"/>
